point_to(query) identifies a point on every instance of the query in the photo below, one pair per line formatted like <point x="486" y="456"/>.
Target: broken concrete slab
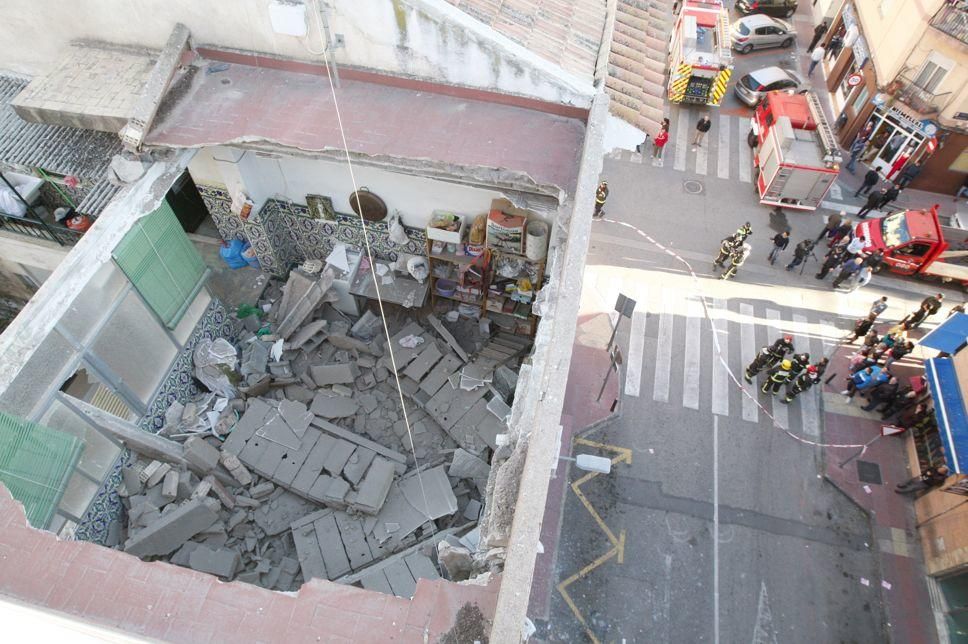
<point x="375" y="486"/>
<point x="335" y="493"/>
<point x="253" y="419"/>
<point x="337" y="457"/>
<point x="447" y="336"/>
<point x="255" y="358"/>
<point x="400" y="579"/>
<point x="169" y="486"/>
<point x="235" y="467"/>
<point x="307" y="333"/>
<point x="262" y="490"/>
<point x="200" y="454"/>
<point x="424" y="362"/>
<point x="434" y="380"/>
<point x="333" y="374"/>
<point x="339" y="432"/>
<point x="222" y="562"/>
<point x="333" y="406"/>
<point x="168" y="533"/>
<point x="467" y="466"/>
<point x="296" y="415"/>
<point x="346" y="343"/>
<point x="277" y="515"/>
<point x="299" y="308"/>
<point x="357" y="464"/>
<point x="368" y="403"/>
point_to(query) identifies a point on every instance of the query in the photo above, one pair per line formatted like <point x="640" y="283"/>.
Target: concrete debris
<point x="305" y="294"/>
<point x="238" y="471"/>
<point x="222" y="562"/>
<point x="455" y="562"/>
<point x="333" y="406"/>
<point x="255" y="358"/>
<point x="296" y="416"/>
<point x="332" y="374"/>
<point x="467" y="466"/>
<point x="262" y="490"/>
<point x="169" y="532"/>
<point x="309" y="336"/>
<point x="200" y="454"/>
<point x="169" y="487"/>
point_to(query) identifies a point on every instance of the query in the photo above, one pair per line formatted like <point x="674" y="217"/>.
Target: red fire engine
<point x="700" y="58"/>
<point x="797" y="157"/>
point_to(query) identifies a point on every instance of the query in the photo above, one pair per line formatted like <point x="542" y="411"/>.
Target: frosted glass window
<point x="38" y="376"/>
<point x="78" y="495"/>
<point x="194" y="313"/>
<point x="98" y="454"/>
<point x="135" y="347"/>
<point x="94" y="302"/>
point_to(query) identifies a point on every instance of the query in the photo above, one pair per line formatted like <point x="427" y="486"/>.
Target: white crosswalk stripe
<point x="780" y="415"/>
<point x="809" y="405"/>
<point x="720" y="399"/>
<point x="747" y="344"/>
<point x="663" y="358"/>
<point x="682" y="139"/>
<point x="691" y="372"/>
<point x="745" y="155"/>
<point x="633" y="372"/>
<point x="722" y="169"/>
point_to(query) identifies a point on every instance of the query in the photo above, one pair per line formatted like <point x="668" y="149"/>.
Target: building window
<point x="162" y="264"/>
<point x="37" y="464"/>
<point x="933" y="72"/>
<point x="862" y="95"/>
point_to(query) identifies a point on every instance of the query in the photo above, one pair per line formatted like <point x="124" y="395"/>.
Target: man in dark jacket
<point x="882" y="395"/>
<point x="835" y="256"/>
<point x="818" y="33"/>
<point x="890" y="195"/>
<point x="850" y="267"/>
<point x="870" y="180"/>
<point x="701" y="128"/>
<point x="929" y="478"/>
<point x="909" y="174"/>
<point x="780" y="242"/>
<point x="874" y="200"/>
<point x="800" y="253"/>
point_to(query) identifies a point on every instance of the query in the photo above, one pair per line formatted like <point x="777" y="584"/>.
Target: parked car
<point x="751" y="87"/>
<point x="759" y="32"/>
<point x="775" y="8"/>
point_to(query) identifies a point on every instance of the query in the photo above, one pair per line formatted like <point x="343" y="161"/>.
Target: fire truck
<point x="796" y="157"/>
<point x="700" y="57"/>
<point x="913" y="243"/>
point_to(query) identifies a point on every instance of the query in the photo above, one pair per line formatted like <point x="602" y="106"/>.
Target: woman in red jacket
<point x="658" y="143"/>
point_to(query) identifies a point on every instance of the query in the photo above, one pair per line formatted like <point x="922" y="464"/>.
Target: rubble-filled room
<point x="344" y="428"/>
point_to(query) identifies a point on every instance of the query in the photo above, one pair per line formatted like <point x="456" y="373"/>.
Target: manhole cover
<point x="692" y="187"/>
<point x="869" y="472"/>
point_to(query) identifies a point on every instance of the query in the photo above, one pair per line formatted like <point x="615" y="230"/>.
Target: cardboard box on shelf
<point x="441" y="227"/>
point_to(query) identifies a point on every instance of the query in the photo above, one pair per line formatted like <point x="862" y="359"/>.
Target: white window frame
<point x="939" y="61"/>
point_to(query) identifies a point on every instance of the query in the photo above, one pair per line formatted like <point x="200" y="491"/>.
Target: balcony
<point x="952" y="19"/>
<point x="919" y="99"/>
<point x="30" y="226"/>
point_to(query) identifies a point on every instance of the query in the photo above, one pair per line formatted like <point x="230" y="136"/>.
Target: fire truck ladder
<point x="827" y="138"/>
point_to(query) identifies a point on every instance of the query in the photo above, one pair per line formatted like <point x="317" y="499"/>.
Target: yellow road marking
<point x="622" y="454"/>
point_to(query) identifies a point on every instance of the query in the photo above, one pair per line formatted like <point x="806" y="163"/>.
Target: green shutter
<point x="36" y="463"/>
<point x="162" y="263"/>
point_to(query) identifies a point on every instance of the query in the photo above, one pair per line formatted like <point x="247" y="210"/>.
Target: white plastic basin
<point x="26" y="185"/>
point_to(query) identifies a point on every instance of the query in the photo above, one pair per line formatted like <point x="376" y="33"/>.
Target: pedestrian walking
<point x="889" y="196"/>
<point x="863" y="278"/>
<point x="929" y="478"/>
<point x="834" y="258"/>
<point x="909" y="174"/>
<point x="874" y="200"/>
<point x="862" y="327"/>
<point x="780" y="242"/>
<point x="660" y="140"/>
<point x="601" y="194"/>
<point x="856" y="149"/>
<point x="736" y="259"/>
<point x="800" y="253"/>
<point x="863" y="380"/>
<point x="778" y="376"/>
<point x="801" y="383"/>
<point x="932" y="303"/>
<point x="878" y="307"/>
<point x="848" y="269"/>
<point x="882" y="395"/>
<point x="701" y="128"/>
<point x="897" y="352"/>
<point x="833" y="222"/>
<point x="769" y="356"/>
<point x="726" y="248"/>
<point x="818" y="33"/>
<point x="870" y="180"/>
<point x="815" y="57"/>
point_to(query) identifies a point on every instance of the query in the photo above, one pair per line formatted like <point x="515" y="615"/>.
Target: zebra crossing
<point x="685" y="366"/>
<point x="724" y="152"/>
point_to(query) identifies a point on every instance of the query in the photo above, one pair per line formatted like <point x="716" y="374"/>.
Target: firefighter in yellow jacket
<point x="600" y="196"/>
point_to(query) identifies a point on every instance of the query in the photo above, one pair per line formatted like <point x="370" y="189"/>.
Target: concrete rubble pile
<point x="299" y="463"/>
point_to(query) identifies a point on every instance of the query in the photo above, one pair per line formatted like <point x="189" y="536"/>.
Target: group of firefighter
<point x="733" y="251"/>
<point x="795" y="371"/>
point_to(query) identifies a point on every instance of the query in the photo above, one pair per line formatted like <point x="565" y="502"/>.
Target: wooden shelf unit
<point x="539" y="267"/>
<point x="455" y="263"/>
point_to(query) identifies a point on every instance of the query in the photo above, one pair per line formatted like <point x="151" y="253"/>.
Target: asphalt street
<point x="730" y="532"/>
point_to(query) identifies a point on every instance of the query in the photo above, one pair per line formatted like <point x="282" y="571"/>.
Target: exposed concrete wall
<point x="536" y="415"/>
<point x="423" y="38"/>
<point x="292" y="178"/>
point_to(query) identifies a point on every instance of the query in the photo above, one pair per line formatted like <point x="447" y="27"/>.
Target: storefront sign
<point x="854" y="80"/>
<point x="861" y="53"/>
<point x="916" y="126"/>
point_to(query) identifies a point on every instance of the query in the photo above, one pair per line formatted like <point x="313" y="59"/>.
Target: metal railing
<point x="39" y="229"/>
<point x="920" y="99"/>
<point x="952" y="19"/>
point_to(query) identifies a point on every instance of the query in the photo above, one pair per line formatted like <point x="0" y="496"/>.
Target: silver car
<point x="759" y="32"/>
<point x="750" y="88"/>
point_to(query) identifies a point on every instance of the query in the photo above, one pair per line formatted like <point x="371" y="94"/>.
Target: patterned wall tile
<point x="178" y="385"/>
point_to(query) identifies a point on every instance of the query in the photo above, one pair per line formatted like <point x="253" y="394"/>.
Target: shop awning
<point x="949" y="336"/>
<point x="950" y="413"/>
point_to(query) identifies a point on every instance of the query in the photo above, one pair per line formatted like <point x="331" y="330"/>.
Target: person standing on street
<point x="856" y="245"/>
<point x="861" y="327"/>
<point x="929" y="478"/>
<point x="890" y="195"/>
<point x="736" y="259"/>
<point x="882" y="394"/>
<point x="878" y="307"/>
<point x="818" y="33"/>
<point x="660" y="140"/>
<point x="875" y="260"/>
<point x="834" y="258"/>
<point x="843" y="230"/>
<point x="870" y="180"/>
<point x="863" y="278"/>
<point x="849" y="268"/>
<point x="909" y="174"/>
<point x="834" y="45"/>
<point x="833" y="222"/>
<point x="856" y="149"/>
<point x="600" y="196"/>
<point x="779" y="375"/>
<point x="768" y="356"/>
<point x="701" y="128"/>
<point x="743" y="232"/>
<point x="874" y="200"/>
<point x="726" y="248"/>
<point x="800" y="253"/>
<point x="815" y="58"/>
<point x="780" y="242"/>
<point x="800" y="384"/>
<point x="897" y="352"/>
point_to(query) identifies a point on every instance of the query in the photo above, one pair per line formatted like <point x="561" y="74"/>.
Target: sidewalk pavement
<point x="868" y="479"/>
